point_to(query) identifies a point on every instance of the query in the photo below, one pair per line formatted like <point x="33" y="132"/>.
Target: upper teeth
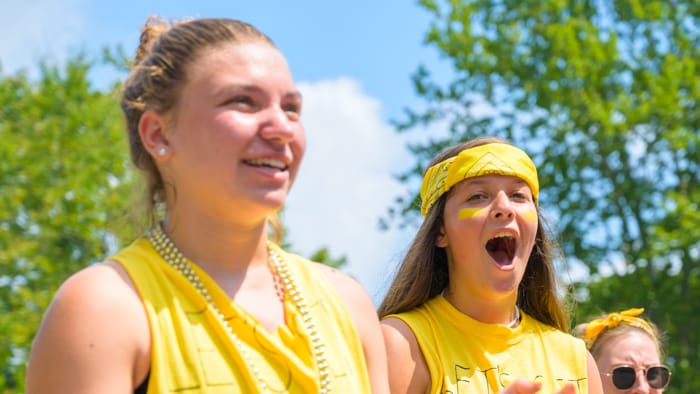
<point x="268" y="162"/>
<point x="504" y="234"/>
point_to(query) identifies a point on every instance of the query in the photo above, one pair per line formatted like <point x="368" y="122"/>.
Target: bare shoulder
<point x="345" y="284"/>
<point x="399" y="339"/>
<point x="355" y="298"/>
<point x="408" y="371"/>
<point x="94" y="336"/>
<point x="106" y="279"/>
<point x="102" y="290"/>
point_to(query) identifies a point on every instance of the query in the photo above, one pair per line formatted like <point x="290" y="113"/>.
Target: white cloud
<point x="34" y="30"/>
<point x="345" y="184"/>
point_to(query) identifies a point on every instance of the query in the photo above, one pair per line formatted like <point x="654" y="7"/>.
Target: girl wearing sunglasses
<point x="628" y="351"/>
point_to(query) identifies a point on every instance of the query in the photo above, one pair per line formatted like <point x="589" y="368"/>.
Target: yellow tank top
<point x="466" y="356"/>
<point x="191" y="352"/>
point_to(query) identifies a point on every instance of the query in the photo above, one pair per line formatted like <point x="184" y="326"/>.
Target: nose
<point x="278" y="125"/>
<point x="641" y="385"/>
<point x="502" y="207"/>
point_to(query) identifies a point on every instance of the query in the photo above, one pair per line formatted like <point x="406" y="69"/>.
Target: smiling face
<point x="235" y="139"/>
<point x="490" y="223"/>
<point x="635" y="349"/>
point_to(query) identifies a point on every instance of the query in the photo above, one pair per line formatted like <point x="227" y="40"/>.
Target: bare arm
<point x="595" y="386"/>
<point x="408" y="371"/>
<point x="365" y="317"/>
<point x="94" y="337"/>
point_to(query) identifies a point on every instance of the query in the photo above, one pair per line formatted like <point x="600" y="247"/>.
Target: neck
<point x="507" y="314"/>
<point x="243" y="283"/>
<point x="218" y="244"/>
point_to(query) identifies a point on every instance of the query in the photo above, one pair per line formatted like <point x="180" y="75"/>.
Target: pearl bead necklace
<point x="516" y="320"/>
<point x="169" y="252"/>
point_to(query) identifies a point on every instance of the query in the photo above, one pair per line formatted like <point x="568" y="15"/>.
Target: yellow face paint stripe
<point x="469" y="213"/>
<point x="530" y="214"/>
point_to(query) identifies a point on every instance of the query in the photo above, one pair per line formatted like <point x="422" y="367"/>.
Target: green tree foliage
<point x="323" y="255"/>
<point x="64" y="184"/>
<point x="278" y="233"/>
<point x="604" y="95"/>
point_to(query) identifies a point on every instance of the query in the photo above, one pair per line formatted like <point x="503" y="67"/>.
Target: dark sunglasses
<point x="624" y="377"/>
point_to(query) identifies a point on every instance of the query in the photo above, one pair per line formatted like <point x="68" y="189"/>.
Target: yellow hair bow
<point x="613" y="320"/>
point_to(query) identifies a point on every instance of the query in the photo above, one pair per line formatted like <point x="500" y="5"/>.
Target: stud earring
<point x="162" y="151"/>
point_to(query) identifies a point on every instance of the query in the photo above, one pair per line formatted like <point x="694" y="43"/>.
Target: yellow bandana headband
<point x="613" y="320"/>
<point x="489" y="159"/>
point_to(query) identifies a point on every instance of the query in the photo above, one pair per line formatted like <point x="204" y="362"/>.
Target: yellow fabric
<point x="595" y="327"/>
<point x="191" y="353"/>
<point x="467" y="356"/>
<point x="489" y="159"/>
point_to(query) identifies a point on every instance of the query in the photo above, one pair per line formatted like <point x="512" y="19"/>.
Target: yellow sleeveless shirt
<point x="466" y="356"/>
<point x="191" y="352"/>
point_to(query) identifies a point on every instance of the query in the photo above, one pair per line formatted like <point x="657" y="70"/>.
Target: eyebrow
<point x="481" y="181"/>
<point x="246" y="88"/>
<point x="294" y="94"/>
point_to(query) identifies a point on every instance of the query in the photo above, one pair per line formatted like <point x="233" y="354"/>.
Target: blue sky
<point x="352" y="60"/>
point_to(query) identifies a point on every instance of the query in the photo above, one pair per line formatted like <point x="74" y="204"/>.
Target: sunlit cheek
<point x="470" y="213"/>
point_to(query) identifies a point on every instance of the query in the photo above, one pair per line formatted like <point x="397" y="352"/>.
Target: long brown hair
<point x="423" y="273"/>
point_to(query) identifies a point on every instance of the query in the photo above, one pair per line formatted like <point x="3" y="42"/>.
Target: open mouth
<point x="268" y="163"/>
<point x="501" y="248"/>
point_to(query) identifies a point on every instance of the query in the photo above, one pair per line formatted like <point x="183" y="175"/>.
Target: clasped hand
<point x="524" y="386"/>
